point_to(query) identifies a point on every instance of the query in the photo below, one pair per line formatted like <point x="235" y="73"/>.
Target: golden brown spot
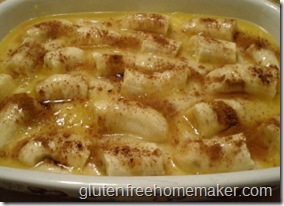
<point x="161" y="105"/>
<point x="54" y="28"/>
<point x="217" y="79"/>
<point x="244" y="40"/>
<point x="226" y="115"/>
<point x="236" y="83"/>
<point x="214" y="152"/>
<point x="265" y="75"/>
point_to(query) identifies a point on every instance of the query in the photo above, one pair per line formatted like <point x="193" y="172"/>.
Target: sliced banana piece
<point x="185" y="99"/>
<point x="210" y="118"/>
<point x="268" y="138"/>
<point x="51" y="29"/>
<point x="112" y="64"/>
<point x="236" y="105"/>
<point x="208" y="50"/>
<point x="7" y="84"/>
<point x="26" y="58"/>
<point x="269" y="132"/>
<point x="216" y="28"/>
<point x="218" y="154"/>
<point x="10" y="117"/>
<point x="32" y="153"/>
<point x="127" y="157"/>
<point x="101" y="88"/>
<point x="155" y="63"/>
<point x="263" y="56"/>
<point x="156" y="83"/>
<point x="62" y="87"/>
<point x="254" y="79"/>
<point x="129" y="117"/>
<point x="159" y="44"/>
<point x="55" y="44"/>
<point x="149" y="22"/>
<point x="100" y="36"/>
<point x="68" y="149"/>
<point x="65" y="59"/>
<point x="14" y="112"/>
<point x="199" y="68"/>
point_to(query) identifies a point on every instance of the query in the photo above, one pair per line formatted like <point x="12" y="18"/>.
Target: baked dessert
<point x="132" y="94"/>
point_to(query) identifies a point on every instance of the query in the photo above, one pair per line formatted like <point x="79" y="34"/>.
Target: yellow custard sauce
<point x="133" y="94"/>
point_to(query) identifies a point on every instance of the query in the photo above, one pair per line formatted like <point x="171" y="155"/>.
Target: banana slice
<point x="146" y="22"/>
<point x="218" y="154"/>
<point x="68" y="149"/>
<point x="209" y="50"/>
<point x="14" y="112"/>
<point x="236" y="105"/>
<point x="26" y="58"/>
<point x="32" y="153"/>
<point x="253" y="79"/>
<point x="7" y="84"/>
<point x="216" y="28"/>
<point x="128" y="117"/>
<point x="210" y="118"/>
<point x="148" y="43"/>
<point x="51" y="29"/>
<point x="154" y="63"/>
<point x="62" y="87"/>
<point x="157" y="83"/>
<point x="54" y="44"/>
<point x="100" y="36"/>
<point x="263" y="56"/>
<point x="10" y="117"/>
<point x="112" y="64"/>
<point x="268" y="139"/>
<point x="159" y="44"/>
<point x="270" y="134"/>
<point x="127" y="157"/>
<point x="101" y="88"/>
<point x="65" y="59"/>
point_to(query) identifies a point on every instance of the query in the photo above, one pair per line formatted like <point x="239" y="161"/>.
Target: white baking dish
<point x="13" y="12"/>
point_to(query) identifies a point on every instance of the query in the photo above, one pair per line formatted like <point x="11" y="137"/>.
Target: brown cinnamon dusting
<point x="59" y="144"/>
<point x="131" y="155"/>
<point x="33" y="53"/>
<point x="54" y="28"/>
<point x="163" y="106"/>
<point x="32" y="111"/>
<point x="244" y="40"/>
<point x="265" y="75"/>
<point x="226" y="114"/>
<point x="236" y="83"/>
<point x="115" y="63"/>
<point x="148" y="22"/>
<point x="214" y="151"/>
<point x="257" y="150"/>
